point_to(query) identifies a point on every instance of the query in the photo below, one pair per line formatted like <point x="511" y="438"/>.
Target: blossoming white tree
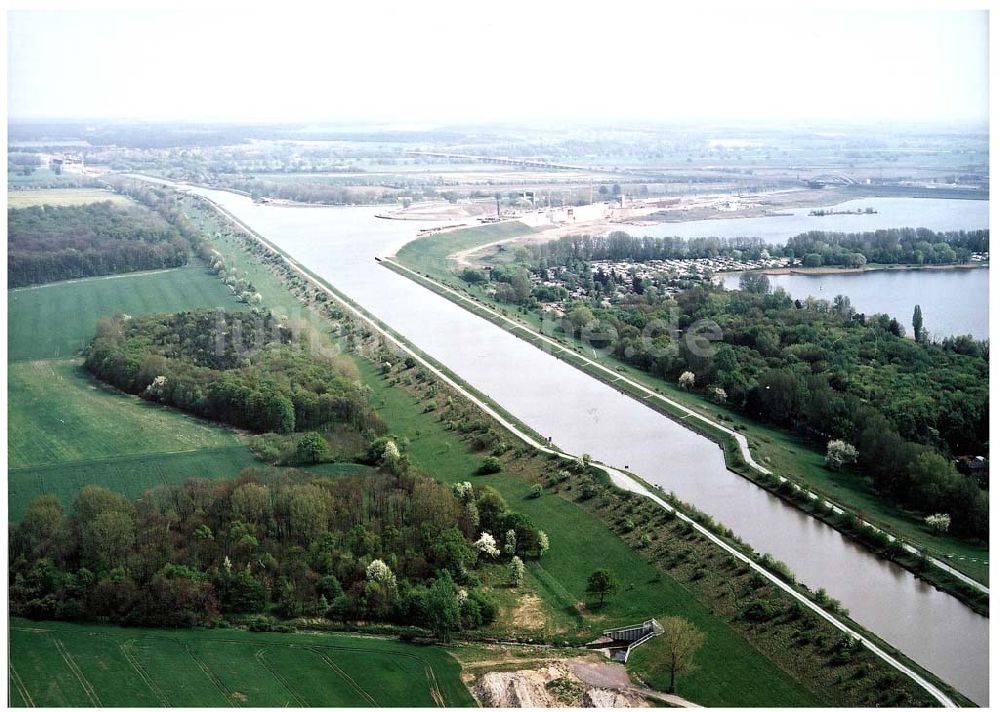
<point x="938" y="522"/>
<point x="379" y="572"/>
<point x="840" y="453"/>
<point x="543" y="542"/>
<point x="487" y="545"/>
<point x="510" y="542"/>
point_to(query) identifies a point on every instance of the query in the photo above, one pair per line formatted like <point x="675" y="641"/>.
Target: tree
<point x="444" y="610"/>
<point x="840" y="453"/>
<point x="543" y="542"/>
<point x="250" y="503"/>
<point x="510" y="542"/>
<point x="580" y="317"/>
<point x="521" y="283"/>
<point x="602" y="583"/>
<point x="516" y="570"/>
<point x="312" y="448"/>
<point x="487" y="545"/>
<point x="919" y="333"/>
<point x="686" y="381"/>
<point x="755" y="283"/>
<point x="308" y="511"/>
<point x="108" y="539"/>
<point x="677" y="647"/>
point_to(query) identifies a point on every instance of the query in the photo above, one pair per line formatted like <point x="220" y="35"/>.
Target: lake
<point x="940" y="214"/>
<point x="583" y="415"/>
<point x="953" y="301"/>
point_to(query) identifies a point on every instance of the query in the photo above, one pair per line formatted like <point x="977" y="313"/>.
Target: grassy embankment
<point x="431" y="254"/>
<point x="437" y="448"/>
<point x="782" y="452"/>
<point x="72" y="665"/>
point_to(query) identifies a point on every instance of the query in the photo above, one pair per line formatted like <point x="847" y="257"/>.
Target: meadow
<point x="58" y="320"/>
<point x="64" y="664"/>
<point x="58" y="413"/>
<point x="129" y="474"/>
<point x="68" y="196"/>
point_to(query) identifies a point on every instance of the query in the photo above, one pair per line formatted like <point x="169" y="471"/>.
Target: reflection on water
<point x="584" y="415"/>
<point x="953" y="301"/>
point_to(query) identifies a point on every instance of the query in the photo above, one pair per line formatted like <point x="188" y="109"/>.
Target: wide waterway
<point x="583" y="415"/>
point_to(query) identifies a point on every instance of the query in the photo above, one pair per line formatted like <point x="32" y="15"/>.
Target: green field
<point x="130" y="474"/>
<point x="62" y="664"/>
<point x="57" y="413"/>
<point x="44" y="177"/>
<point x="59" y="319"/>
<point x="68" y="196"/>
<point x="581" y="543"/>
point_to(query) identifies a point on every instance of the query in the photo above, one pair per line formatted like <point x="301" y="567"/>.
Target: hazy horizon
<point x="520" y="64"/>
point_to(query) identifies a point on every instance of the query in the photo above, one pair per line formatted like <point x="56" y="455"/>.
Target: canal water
<point x="583" y="415"/>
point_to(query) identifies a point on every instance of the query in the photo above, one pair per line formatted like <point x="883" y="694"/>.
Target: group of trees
<point x="622" y="246"/>
<point x="827" y="372"/>
<point x="249" y="370"/>
<point x="815" y="248"/>
<point x="373" y="547"/>
<point x="49" y="243"/>
<point x="892" y="246"/>
<point x="317" y="191"/>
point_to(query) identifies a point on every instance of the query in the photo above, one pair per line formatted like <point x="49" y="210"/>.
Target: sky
<point x="442" y="61"/>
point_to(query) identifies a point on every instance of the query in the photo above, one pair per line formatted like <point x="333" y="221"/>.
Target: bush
<point x="757" y="611"/>
<point x="491" y="465"/>
<point x="535" y="492"/>
<point x="939" y="523"/>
